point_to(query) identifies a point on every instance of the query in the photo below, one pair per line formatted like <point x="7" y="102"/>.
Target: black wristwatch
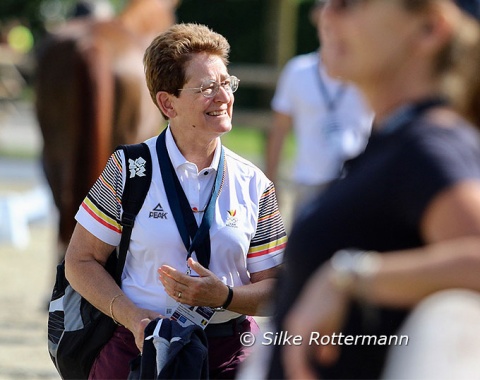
<point x="227" y="301"/>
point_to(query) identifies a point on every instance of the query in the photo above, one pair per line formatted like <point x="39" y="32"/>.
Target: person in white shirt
<point x="330" y="119"/>
<point x="186" y="72"/>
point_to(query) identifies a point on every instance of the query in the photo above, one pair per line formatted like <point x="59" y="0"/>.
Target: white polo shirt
<point x="246" y="236"/>
<point x="319" y="157"/>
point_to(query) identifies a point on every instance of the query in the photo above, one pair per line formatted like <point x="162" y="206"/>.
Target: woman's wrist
<point x="125" y="313"/>
<point x="227" y="301"/>
<point x="352" y="271"/>
<point x="112" y="302"/>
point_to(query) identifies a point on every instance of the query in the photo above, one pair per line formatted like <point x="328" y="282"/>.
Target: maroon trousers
<point x="224" y="354"/>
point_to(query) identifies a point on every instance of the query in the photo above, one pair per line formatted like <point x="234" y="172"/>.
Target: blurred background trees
<point x="263" y="34"/>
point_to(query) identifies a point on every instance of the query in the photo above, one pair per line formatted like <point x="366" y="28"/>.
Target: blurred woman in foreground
<point x="404" y="222"/>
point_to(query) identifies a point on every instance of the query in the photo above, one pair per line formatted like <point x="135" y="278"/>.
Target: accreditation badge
<point x="187" y="315"/>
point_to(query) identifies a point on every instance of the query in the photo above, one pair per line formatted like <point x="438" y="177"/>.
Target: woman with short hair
<point x="232" y="269"/>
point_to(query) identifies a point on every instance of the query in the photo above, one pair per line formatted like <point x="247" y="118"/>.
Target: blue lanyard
<point x="330" y="102"/>
<point x="182" y="213"/>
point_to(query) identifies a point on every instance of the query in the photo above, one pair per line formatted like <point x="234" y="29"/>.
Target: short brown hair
<point x="166" y="57"/>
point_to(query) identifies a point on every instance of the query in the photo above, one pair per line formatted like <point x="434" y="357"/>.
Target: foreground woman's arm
<point x="451" y="259"/>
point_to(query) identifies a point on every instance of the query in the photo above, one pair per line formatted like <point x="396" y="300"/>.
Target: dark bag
<point x="77" y="331"/>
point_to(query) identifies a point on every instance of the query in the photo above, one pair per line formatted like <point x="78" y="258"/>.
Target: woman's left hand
<point x="205" y="290"/>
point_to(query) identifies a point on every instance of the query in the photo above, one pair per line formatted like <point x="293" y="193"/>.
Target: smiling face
<point x="205" y="117"/>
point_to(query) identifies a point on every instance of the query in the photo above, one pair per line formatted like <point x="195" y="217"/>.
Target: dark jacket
<point x="171" y="351"/>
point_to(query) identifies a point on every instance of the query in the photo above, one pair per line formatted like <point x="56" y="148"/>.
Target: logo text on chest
<point x="158" y="212"/>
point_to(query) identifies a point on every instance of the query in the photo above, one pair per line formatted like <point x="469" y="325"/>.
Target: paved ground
<point x="25" y="265"/>
<point x="25" y="286"/>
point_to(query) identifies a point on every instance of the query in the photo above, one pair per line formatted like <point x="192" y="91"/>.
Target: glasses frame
<point x="231" y="86"/>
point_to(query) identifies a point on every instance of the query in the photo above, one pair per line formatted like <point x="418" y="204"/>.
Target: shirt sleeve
<point x="101" y="209"/>
<point x="268" y="244"/>
<point x="282" y="101"/>
<point x="435" y="159"/>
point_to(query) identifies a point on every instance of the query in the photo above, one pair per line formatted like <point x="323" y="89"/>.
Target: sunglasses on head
<point x="341" y="5"/>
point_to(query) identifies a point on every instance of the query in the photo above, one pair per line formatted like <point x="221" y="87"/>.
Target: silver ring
<point x="179" y="295"/>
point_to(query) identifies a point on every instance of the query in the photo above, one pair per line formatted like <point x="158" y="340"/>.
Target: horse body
<point x="91" y="96"/>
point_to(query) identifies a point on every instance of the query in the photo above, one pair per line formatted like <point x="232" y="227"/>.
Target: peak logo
<point x="158" y="212"/>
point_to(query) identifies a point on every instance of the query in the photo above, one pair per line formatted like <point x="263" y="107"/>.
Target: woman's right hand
<point x="137" y="328"/>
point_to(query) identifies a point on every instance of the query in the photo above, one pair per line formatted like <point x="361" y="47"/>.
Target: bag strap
<point x="138" y="179"/>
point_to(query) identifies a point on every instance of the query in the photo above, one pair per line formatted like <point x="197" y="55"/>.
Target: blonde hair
<point x="458" y="64"/>
<point x="462" y="82"/>
<point x="166" y="58"/>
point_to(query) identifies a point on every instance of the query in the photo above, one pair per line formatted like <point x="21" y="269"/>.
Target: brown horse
<point x="91" y="96"/>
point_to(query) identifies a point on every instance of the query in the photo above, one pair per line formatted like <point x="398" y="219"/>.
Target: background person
<point x="330" y="121"/>
<point x="186" y="71"/>
<point x="413" y="195"/>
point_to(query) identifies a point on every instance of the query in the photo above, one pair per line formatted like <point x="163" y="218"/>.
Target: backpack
<point x="77" y="331"/>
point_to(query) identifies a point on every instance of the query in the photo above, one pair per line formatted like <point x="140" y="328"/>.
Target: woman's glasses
<point x="211" y="88"/>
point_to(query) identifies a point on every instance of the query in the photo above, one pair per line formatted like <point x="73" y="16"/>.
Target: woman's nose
<point x="223" y="95"/>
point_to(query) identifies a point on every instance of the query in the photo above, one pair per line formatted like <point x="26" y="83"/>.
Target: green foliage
<point x="118" y="5"/>
<point x="307" y="40"/>
<point x="36" y="14"/>
<point x="249" y="142"/>
<point x="241" y="22"/>
<point x="246" y="141"/>
<point x="15" y="8"/>
<point x="26" y="11"/>
<point x="244" y="24"/>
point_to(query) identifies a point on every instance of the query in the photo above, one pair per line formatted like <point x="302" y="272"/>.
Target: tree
<point x="28" y="12"/>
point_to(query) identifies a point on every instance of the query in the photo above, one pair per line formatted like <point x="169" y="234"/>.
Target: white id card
<point x="187" y="315"/>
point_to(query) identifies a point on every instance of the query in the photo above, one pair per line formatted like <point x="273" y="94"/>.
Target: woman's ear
<point x="164" y="102"/>
<point x="439" y="25"/>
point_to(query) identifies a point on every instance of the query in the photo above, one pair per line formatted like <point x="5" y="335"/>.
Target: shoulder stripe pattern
<point x="270" y="237"/>
<point x="99" y="216"/>
<point x="103" y="202"/>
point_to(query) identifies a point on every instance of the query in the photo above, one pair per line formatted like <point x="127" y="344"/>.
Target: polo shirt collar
<point x="177" y="158"/>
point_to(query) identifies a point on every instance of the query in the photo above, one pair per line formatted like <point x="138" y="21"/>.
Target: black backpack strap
<point x="138" y="178"/>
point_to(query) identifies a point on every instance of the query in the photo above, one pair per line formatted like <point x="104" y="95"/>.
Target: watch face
<point x="345" y="260"/>
<point x="343" y="263"/>
<point x="351" y="267"/>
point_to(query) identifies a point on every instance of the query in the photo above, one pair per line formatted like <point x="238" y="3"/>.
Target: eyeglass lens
<point x="211" y="89"/>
